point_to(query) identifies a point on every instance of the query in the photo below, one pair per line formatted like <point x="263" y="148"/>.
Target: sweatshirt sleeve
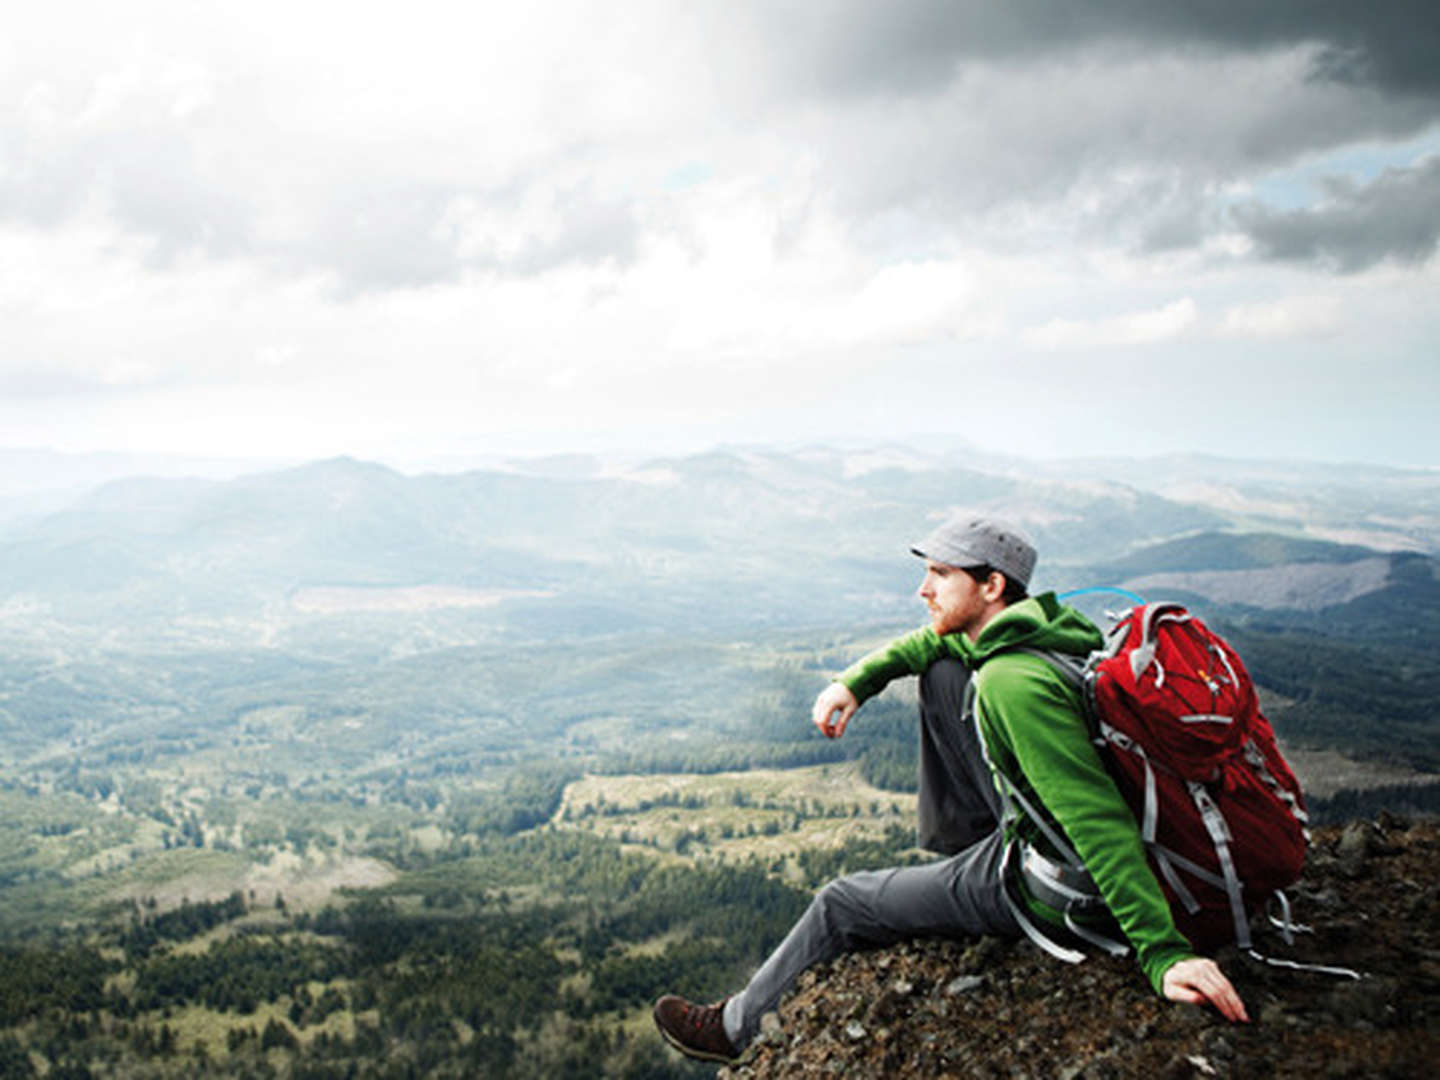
<point x="1032" y="724"/>
<point x="909" y="654"/>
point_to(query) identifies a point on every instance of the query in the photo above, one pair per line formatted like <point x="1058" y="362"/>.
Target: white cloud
<point x="1139" y="328"/>
<point x="276" y="356"/>
<point x="915" y="303"/>
<point x="1293" y="317"/>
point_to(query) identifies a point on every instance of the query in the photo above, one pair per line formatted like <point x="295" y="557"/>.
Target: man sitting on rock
<point x="1032" y="741"/>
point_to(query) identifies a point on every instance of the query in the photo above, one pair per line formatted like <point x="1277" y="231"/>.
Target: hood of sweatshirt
<point x="1039" y="622"/>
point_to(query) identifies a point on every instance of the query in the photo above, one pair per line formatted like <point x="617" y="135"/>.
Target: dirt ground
<point x="988" y="1008"/>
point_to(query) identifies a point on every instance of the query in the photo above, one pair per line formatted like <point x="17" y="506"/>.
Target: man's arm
<point x="909" y="654"/>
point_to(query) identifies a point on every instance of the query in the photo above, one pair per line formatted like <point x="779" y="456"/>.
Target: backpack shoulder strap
<point x="1077" y="671"/>
<point x="1067" y="885"/>
<point x="1070" y="667"/>
<point x="1011" y="796"/>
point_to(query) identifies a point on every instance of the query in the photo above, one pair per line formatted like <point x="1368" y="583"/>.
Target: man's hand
<point x="1198" y="981"/>
<point x="833" y="709"/>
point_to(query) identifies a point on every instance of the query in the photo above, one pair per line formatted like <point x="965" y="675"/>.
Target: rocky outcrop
<point x="990" y="1008"/>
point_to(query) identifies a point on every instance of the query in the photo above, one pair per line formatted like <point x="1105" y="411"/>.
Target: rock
<point x="1190" y="1018"/>
<point x="892" y="1002"/>
<point x="1370" y="1000"/>
<point x="1272" y="1013"/>
<point x="1325" y="898"/>
<point x="963" y="984"/>
<point x="1105" y="1067"/>
<point x="855" y="1031"/>
<point x="982" y="954"/>
<point x="1392" y="822"/>
<point x="1218" y="1047"/>
<point x="1354" y="848"/>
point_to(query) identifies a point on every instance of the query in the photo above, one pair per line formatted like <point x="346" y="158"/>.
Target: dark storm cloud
<point x="1132" y="113"/>
<point x="861" y="47"/>
<point x="1396" y="216"/>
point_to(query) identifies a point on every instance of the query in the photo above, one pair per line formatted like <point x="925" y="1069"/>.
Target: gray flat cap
<point x="976" y="541"/>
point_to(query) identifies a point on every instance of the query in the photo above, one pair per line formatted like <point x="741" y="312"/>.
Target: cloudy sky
<point x="414" y="231"/>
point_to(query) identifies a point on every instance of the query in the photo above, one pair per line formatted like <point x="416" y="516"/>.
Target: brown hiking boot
<point x="698" y="1031"/>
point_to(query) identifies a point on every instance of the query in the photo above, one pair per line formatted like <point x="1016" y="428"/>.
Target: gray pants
<point x="956" y="896"/>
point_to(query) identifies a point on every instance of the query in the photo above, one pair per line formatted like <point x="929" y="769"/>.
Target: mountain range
<point x="350" y="587"/>
<point x="800" y="536"/>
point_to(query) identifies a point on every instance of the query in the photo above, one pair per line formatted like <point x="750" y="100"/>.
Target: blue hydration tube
<point x="1133" y="597"/>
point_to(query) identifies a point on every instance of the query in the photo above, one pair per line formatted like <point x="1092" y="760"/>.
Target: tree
<point x="277" y="1033"/>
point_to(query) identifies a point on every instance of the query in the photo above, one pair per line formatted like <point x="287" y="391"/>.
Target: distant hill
<point x="1279" y="573"/>
<point x="1390" y="509"/>
<point x="1233" y="551"/>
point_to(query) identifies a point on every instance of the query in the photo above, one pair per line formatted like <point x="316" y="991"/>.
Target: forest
<point x="517" y="959"/>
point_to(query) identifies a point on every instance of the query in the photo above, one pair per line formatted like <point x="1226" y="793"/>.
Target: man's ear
<point x="994" y="586"/>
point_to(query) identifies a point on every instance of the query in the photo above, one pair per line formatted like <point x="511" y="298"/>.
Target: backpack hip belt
<point x="1056" y="884"/>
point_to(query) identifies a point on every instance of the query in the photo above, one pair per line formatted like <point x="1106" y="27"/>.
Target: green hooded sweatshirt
<point x="1034" y="731"/>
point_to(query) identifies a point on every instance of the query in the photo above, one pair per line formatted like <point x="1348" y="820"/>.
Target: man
<point x="1029" y="741"/>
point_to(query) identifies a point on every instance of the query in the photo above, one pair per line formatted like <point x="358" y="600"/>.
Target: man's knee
<point x="846" y="904"/>
<point x="839" y="893"/>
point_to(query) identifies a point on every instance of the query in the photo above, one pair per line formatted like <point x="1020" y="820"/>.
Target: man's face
<point x="956" y="601"/>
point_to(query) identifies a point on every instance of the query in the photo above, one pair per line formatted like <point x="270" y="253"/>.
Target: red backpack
<point x="1176" y="716"/>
